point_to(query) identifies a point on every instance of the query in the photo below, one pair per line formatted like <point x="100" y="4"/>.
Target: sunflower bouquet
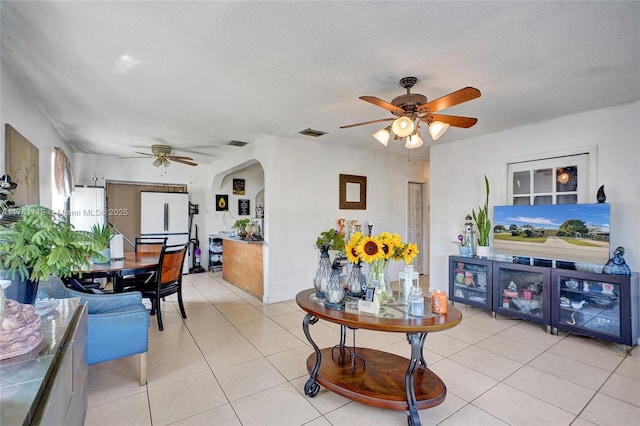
<point x="378" y="251"/>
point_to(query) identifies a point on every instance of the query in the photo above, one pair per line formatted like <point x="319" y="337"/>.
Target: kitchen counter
<point x="238" y="240"/>
<point x="242" y="265"/>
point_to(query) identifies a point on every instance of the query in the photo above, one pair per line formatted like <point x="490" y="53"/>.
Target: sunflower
<point x="370" y="249"/>
<point x="351" y="250"/>
<point x="409" y="253"/>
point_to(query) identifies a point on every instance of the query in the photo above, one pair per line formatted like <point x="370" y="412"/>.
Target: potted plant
<point x="39" y="244"/>
<point x="240" y="226"/>
<point x="463" y="248"/>
<point x="330" y="240"/>
<point x="102" y="235"/>
<point x="483" y="223"/>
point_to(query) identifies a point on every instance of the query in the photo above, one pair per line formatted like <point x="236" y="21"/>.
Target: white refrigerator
<point x="165" y="214"/>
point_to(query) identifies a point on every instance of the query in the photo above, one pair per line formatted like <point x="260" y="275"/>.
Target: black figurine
<point x="601" y="196"/>
<point x="616" y="265"/>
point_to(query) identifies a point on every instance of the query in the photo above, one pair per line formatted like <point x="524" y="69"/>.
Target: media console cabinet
<point x="593" y="304"/>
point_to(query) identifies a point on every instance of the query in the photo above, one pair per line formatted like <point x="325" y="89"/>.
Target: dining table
<point x="132" y="264"/>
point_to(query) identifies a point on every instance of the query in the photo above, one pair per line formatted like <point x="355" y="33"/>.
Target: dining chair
<point x="145" y="246"/>
<point x="168" y="280"/>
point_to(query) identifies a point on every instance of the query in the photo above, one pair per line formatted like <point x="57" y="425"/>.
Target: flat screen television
<point x="563" y="232"/>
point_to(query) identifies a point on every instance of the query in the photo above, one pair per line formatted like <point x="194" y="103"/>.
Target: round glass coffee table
<point x="370" y="376"/>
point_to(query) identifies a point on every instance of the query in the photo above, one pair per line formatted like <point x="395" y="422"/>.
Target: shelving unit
<point x="588" y="303"/>
<point x="215" y="254"/>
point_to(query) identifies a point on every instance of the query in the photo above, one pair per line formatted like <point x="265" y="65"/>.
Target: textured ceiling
<point x="197" y="75"/>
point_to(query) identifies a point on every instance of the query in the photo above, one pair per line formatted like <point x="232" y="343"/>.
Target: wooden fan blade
<point x="145" y="153"/>
<point x="367" y="122"/>
<point x="178" y="157"/>
<point x="189" y="163"/>
<point x="454" y="98"/>
<point x="454" y="120"/>
<point x="382" y="104"/>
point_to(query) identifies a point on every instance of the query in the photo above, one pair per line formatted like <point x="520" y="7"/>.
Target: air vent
<point x="238" y="143"/>
<point x="311" y="132"/>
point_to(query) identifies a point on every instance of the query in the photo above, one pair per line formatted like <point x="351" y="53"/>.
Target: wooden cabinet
<point x="242" y="265"/>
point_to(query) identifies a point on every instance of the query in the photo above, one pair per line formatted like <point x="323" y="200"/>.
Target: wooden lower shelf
<point x="381" y="383"/>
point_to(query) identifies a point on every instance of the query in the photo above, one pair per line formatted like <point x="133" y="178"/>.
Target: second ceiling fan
<point x="162" y="154"/>
<point x="411" y="109"/>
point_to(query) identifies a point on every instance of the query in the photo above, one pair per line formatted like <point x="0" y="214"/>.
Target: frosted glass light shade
<point x="382" y="136"/>
<point x="158" y="162"/>
<point x="437" y="129"/>
<point x="403" y="126"/>
<point x="413" y="141"/>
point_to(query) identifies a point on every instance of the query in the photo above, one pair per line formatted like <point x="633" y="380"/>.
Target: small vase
<point x="378" y="278"/>
<point x="323" y="273"/>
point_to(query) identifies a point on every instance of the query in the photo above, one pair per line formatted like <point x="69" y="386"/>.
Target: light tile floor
<point x="235" y="361"/>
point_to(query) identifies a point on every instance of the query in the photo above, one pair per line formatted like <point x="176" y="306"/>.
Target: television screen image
<point x="570" y="232"/>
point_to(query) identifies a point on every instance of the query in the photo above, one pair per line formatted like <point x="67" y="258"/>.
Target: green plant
<point x="483" y="223"/>
<point x="331" y="240"/>
<point x="240" y="226"/>
<point x="45" y="243"/>
<point x="102" y="234"/>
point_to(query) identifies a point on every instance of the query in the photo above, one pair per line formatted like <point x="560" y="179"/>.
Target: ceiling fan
<point x="413" y="108"/>
<point x="162" y="154"/>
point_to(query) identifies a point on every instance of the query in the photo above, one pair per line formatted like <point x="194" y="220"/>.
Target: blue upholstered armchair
<point x="118" y="323"/>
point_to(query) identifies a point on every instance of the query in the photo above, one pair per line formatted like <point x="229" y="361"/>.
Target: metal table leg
<point x="311" y="387"/>
<point x="416" y="340"/>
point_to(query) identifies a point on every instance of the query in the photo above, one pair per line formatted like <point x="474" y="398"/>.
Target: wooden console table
<point x="370" y="376"/>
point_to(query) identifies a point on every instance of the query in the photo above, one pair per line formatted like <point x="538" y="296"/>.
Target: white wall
<point x="457" y="170"/>
<point x="18" y="110"/>
<point x="301" y="200"/>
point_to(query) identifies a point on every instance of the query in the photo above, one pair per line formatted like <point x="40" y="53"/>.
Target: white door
<point x="416" y="223"/>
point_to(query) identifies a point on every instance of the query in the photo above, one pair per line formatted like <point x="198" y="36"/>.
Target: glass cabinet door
<point x="590" y="304"/>
<point x="468" y="281"/>
<point x="522" y="291"/>
<point x="597" y="305"/>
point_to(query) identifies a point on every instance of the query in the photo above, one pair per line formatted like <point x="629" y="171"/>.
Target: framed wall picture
<point x="23" y="166"/>
<point x="353" y="192"/>
<point x="222" y="202"/>
<point x="238" y="187"/>
<point x="243" y="207"/>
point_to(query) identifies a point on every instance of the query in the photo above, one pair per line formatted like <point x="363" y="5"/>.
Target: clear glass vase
<point x="323" y="273"/>
<point x="378" y="278"/>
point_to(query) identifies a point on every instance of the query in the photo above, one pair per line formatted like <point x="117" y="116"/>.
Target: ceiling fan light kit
<point x="163" y="157"/>
<point x="403" y="126"/>
<point x="437" y="129"/>
<point x="383" y="135"/>
<point x="411" y="108"/>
